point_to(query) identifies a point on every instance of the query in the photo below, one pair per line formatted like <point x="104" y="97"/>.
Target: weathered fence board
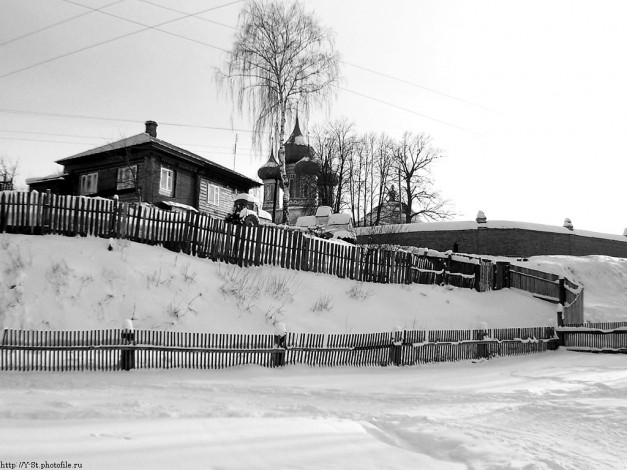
<point x="108" y="350"/>
<point x="203" y="236"/>
<point x="595" y="337"/>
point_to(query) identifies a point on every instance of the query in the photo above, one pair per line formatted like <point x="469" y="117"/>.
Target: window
<point x="127" y="177"/>
<point x="268" y="192"/>
<point x="166" y="183"/>
<point x="89" y="183"/>
<point x="213" y="194"/>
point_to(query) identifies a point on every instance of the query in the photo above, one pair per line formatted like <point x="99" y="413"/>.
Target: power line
<point x="102" y="118"/>
<point x="55" y="134"/>
<point x="45" y="140"/>
<point x="183" y="13"/>
<point x="407" y="82"/>
<point x="155" y="27"/>
<point x="407" y="110"/>
<point x="195" y="15"/>
<point x="67" y="20"/>
<point x="390" y="77"/>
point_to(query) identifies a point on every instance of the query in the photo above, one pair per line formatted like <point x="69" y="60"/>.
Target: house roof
<point x="146" y="139"/>
<point x="45" y="179"/>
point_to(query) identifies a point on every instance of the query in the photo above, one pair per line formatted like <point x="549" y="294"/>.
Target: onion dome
<point x="296" y="146"/>
<point x="269" y="170"/>
<point x="307" y="166"/>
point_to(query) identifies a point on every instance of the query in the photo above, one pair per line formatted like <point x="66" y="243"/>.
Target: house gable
<point x="164" y="172"/>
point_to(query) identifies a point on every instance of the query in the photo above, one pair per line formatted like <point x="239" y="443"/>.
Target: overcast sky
<point x="527" y="100"/>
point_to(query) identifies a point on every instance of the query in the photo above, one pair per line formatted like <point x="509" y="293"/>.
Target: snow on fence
<point x="550" y="287"/>
<point x="595" y="337"/>
<point x="203" y="236"/>
<point x="142" y="349"/>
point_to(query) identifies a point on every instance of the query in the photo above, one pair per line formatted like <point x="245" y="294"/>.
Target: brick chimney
<point x="151" y="128"/>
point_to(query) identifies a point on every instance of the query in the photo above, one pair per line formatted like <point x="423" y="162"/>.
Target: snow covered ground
<point x="77" y="283"/>
<point x="556" y="410"/>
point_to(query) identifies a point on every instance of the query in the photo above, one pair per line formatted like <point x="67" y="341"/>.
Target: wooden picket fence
<point x="206" y="237"/>
<point x="550" y="287"/>
<point x="610" y="337"/>
<point x="108" y="350"/>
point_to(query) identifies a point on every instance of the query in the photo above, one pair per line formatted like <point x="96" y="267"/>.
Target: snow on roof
<point x="179" y="205"/>
<point x="42" y="179"/>
<point x="144" y="138"/>
<point x="247" y="197"/>
<point x="490" y="224"/>
<point x="339" y="219"/>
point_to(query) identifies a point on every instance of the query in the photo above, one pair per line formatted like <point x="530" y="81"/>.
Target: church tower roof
<point x="269" y="170"/>
<point x="296" y="146"/>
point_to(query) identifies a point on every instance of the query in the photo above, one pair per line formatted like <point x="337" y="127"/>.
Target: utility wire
<point x="67" y="20"/>
<point x="54" y="134"/>
<point x="365" y="69"/>
<point x="212" y="152"/>
<point x="407" y="82"/>
<point x="146" y="28"/>
<point x="407" y="110"/>
<point x="101" y="118"/>
<point x="183" y="13"/>
<point x="195" y="15"/>
<point x="157" y="27"/>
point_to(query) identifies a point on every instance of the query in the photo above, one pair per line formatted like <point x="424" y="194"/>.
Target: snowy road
<point x="558" y="410"/>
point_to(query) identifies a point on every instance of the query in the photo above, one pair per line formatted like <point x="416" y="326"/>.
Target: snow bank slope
<point x="603" y="277"/>
<point x="56" y="282"/>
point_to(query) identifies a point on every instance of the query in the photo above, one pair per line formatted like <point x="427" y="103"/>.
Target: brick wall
<point x="505" y="242"/>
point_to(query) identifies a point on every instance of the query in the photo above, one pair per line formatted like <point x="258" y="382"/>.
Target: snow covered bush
<point x="359" y="291"/>
<point x="323" y="303"/>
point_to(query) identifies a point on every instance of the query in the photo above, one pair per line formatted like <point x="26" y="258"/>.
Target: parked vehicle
<point x="327" y="225"/>
<point x="247" y="211"/>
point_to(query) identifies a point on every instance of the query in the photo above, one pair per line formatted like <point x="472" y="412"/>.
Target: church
<point x="303" y="170"/>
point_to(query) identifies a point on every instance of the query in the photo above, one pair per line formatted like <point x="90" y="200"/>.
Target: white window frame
<point x="127" y="177"/>
<point x="166" y="182"/>
<point x="213" y="194"/>
<point x="89" y="183"/>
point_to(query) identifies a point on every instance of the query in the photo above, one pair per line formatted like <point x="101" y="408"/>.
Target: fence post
<point x="478" y="276"/>
<point x="483" y="352"/>
<point x="113" y="231"/>
<point x="501" y="278"/>
<point x="396" y="347"/>
<point x="562" y="290"/>
<point x="46" y="215"/>
<point x="277" y="359"/>
<point x="560" y="314"/>
<point x="127" y="356"/>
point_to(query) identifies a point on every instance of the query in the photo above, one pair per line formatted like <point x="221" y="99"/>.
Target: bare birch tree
<point x="282" y="60"/>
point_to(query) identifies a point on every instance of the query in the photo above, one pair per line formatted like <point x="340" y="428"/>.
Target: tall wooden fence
<point x="203" y="236"/>
<point x="595" y="337"/>
<point x="551" y="287"/>
<point x="124" y="349"/>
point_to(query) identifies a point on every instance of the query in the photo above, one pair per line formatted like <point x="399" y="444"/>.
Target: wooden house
<point x="147" y="169"/>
